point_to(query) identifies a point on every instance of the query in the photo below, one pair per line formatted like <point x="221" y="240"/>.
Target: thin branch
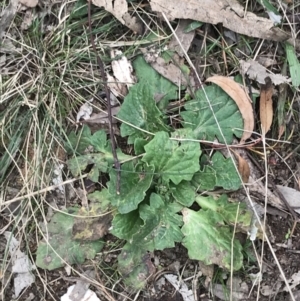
<point x="107" y="92"/>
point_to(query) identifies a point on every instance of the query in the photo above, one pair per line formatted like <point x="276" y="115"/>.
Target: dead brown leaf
<point x="266" y="105"/>
<point x="117" y="89"/>
<point x="185" y="38"/>
<point x="242" y="100"/>
<point x="122" y="69"/>
<point x="169" y="70"/>
<point x="119" y="8"/>
<point x="102" y="117"/>
<point x="80" y="290"/>
<point x="258" y="73"/>
<point x="243" y="167"/>
<point x="230" y="13"/>
<point x="28" y="18"/>
<point x="292" y="196"/>
<point x="7" y="45"/>
<point x="29" y="3"/>
<point x="281" y="130"/>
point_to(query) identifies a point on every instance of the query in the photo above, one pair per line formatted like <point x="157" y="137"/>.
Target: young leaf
<point x="193" y="25"/>
<point x="59" y="240"/>
<point x="209" y="240"/>
<point x="101" y="163"/>
<point x="100" y="143"/>
<point x="139" y="144"/>
<point x="221" y="173"/>
<point x="231" y="212"/>
<point x="135" y="181"/>
<point x="157" y="228"/>
<point x="78" y="164"/>
<point x="157" y="84"/>
<point x="78" y="143"/>
<point x="226" y="174"/>
<point x="101" y="160"/>
<point x="174" y="160"/>
<point x="124" y="226"/>
<point x="139" y="111"/>
<point x="184" y="193"/>
<point x="205" y="179"/>
<point x="242" y="100"/>
<point x="161" y="228"/>
<point x="200" y="119"/>
<point x="271" y="10"/>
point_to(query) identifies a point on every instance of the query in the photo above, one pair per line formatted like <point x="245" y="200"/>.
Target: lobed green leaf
<point x="135" y="181"/>
<point x="200" y="118"/>
<point x="217" y="172"/>
<point x="139" y="112"/>
<point x="208" y="239"/>
<point x="60" y="244"/>
<point x="231" y="212"/>
<point x="161" y="88"/>
<point x="173" y="160"/>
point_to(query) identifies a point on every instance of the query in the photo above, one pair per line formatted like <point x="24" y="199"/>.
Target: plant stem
<point x="107" y="92"/>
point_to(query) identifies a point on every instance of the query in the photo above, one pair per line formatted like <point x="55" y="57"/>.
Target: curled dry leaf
<point x="266" y="105"/>
<point x="84" y="112"/>
<point x="102" y="117"/>
<point x="243" y="167"/>
<point x="242" y="100"/>
<point x="122" y="68"/>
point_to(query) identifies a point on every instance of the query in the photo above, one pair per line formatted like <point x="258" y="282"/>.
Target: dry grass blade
<point x="266" y="105"/>
<point x="242" y="100"/>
